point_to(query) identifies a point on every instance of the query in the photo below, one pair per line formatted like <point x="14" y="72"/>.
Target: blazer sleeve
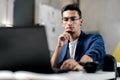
<point x="96" y="47"/>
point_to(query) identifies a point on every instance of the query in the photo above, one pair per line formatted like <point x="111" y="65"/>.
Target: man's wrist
<point x="81" y="63"/>
<point x="59" y="45"/>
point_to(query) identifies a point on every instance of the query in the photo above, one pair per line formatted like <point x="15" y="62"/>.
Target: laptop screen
<point x="24" y="49"/>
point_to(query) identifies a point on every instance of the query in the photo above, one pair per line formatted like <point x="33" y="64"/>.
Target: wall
<point x="23" y="13"/>
<point x="51" y="18"/>
<point x="6" y="12"/>
<point x="103" y="16"/>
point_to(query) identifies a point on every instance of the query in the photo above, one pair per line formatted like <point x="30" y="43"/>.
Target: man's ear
<point x="81" y="22"/>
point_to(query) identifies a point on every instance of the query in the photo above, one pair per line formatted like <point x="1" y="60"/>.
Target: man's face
<point x="71" y="21"/>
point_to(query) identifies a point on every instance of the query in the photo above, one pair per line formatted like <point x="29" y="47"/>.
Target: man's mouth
<point x="69" y="30"/>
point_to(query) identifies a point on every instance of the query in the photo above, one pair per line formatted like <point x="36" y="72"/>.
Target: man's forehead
<point x="70" y="13"/>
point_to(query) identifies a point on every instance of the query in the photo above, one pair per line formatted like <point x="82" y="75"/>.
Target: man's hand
<point x="71" y="64"/>
<point x="63" y="38"/>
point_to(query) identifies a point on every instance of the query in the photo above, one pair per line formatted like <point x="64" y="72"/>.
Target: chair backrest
<point x="110" y="64"/>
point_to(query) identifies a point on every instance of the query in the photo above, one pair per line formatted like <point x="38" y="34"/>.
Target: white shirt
<point x="72" y="48"/>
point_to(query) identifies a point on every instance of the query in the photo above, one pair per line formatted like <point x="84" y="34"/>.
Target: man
<point x="86" y="47"/>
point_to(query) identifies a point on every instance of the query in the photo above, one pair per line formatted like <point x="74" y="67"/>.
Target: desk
<point x="90" y="76"/>
<point x="66" y="76"/>
<point x="118" y="69"/>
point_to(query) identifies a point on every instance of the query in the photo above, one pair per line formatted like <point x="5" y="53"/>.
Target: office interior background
<point x="100" y="16"/>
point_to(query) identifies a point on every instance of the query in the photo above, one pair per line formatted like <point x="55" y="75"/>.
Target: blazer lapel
<point x="78" y="49"/>
<point x="78" y="52"/>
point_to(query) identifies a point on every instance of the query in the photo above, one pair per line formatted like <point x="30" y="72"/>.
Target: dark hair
<point x="71" y="7"/>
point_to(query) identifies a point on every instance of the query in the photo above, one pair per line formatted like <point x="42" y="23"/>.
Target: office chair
<point x="110" y="64"/>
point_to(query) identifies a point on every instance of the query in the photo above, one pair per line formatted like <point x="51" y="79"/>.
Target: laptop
<point x="25" y="49"/>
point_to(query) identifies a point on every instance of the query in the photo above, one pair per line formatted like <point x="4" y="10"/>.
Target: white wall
<point x="51" y="18"/>
<point x="2" y="12"/>
<point x="103" y="16"/>
<point x="6" y="12"/>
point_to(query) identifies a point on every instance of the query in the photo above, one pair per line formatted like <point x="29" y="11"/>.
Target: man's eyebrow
<point x="71" y="17"/>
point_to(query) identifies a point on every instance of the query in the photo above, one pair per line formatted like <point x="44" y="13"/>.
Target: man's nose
<point x="70" y="21"/>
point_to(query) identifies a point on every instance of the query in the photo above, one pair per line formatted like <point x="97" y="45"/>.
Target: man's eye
<point x="65" y="19"/>
<point x="72" y="19"/>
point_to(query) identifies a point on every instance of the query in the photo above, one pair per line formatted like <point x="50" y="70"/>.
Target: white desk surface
<point x="24" y="75"/>
<point x="66" y="76"/>
<point x="100" y="75"/>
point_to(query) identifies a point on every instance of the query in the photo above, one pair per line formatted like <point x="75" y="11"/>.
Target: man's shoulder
<point x="93" y="35"/>
<point x="90" y="36"/>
